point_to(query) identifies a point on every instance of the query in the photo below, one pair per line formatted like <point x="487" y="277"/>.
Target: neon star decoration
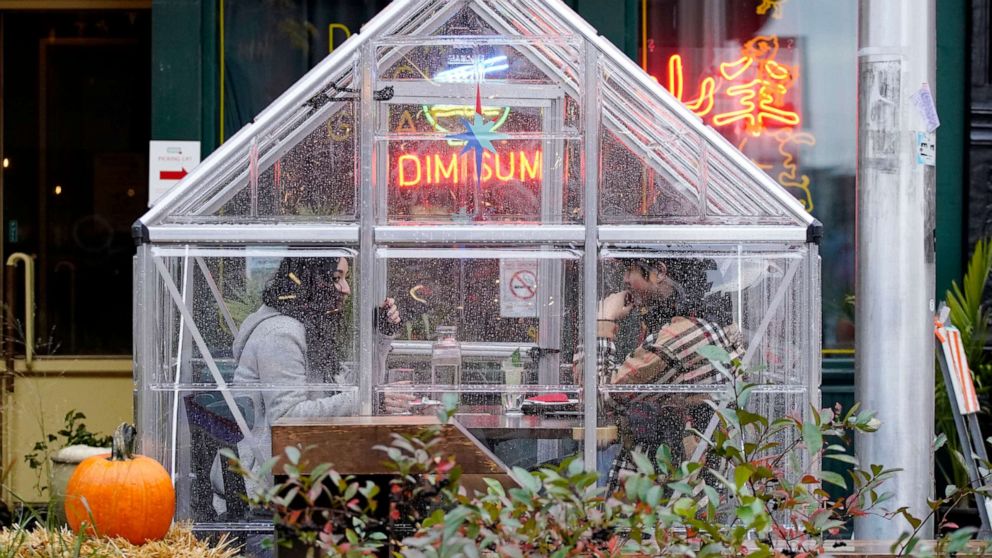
<point x="478" y="135"/>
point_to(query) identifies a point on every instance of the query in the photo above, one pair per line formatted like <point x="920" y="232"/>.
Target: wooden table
<point x="349" y="444"/>
<point x="504" y="427"/>
<point x="495" y="426"/>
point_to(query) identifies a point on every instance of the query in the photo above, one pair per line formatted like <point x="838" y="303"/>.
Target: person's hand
<point x="387" y="317"/>
<point x="615" y="307"/>
<point x="397" y="403"/>
<point x="392" y="312"/>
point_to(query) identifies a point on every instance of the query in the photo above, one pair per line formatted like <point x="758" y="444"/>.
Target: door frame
<point x="71" y="366"/>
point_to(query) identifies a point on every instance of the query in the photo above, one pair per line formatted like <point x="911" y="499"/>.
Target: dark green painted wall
<point x="952" y="107"/>
<point x="177" y="69"/>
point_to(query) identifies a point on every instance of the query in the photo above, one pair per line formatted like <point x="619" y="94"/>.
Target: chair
<point x="213" y="428"/>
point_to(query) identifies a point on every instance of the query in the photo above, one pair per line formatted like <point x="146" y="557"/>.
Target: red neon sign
<point x="415" y="170"/>
<point x="755" y="82"/>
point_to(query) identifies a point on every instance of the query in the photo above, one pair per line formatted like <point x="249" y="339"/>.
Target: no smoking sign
<point x="523" y="285"/>
<point x="518" y="288"/>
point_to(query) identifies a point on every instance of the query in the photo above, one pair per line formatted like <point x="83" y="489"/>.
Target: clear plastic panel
<point x="208" y="492"/>
<point x="313" y="180"/>
<point x="727" y="201"/>
<point x="748" y="299"/>
<point x="632" y="191"/>
<point x="444" y="116"/>
<point x="548" y="61"/>
<point x="247" y="336"/>
<point x="497" y="328"/>
<point x="524" y="18"/>
<point x="533" y="180"/>
<point x="464" y="20"/>
<point x="688" y="164"/>
<point x="648" y="418"/>
<point x="302" y="169"/>
<point x="428" y="16"/>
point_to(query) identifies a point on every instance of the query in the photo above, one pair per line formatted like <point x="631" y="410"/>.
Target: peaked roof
<point x="300" y="161"/>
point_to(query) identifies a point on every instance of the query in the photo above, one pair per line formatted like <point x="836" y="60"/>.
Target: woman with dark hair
<point x="291" y="340"/>
<point x="678" y="315"/>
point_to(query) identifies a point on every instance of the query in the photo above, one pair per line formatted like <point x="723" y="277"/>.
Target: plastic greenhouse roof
<point x="306" y="159"/>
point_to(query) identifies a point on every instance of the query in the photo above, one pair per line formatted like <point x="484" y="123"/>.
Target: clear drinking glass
<point x="513" y="401"/>
<point x="446" y="357"/>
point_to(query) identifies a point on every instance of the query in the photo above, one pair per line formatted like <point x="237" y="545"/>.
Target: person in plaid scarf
<point x="678" y="315"/>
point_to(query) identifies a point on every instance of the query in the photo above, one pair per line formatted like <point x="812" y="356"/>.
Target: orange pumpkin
<point x="121" y="494"/>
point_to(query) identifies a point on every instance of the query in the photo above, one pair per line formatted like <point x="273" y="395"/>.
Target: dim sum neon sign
<point x="415" y="170"/>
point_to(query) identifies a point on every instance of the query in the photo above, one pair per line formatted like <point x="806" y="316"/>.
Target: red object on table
<point x="550" y="398"/>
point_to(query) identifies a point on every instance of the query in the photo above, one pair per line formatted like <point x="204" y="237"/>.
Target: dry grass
<point x="42" y="543"/>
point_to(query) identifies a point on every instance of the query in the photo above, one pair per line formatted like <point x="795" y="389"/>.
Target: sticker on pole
<point x="518" y="288"/>
<point x="168" y="163"/>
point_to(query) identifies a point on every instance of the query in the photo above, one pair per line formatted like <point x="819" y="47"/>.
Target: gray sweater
<point x="271" y="350"/>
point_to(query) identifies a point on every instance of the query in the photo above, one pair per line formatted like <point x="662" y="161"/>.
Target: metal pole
<point x="895" y="262"/>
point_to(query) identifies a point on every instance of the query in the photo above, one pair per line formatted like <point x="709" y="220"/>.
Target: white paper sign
<point x="168" y="163"/>
<point x="518" y="288"/>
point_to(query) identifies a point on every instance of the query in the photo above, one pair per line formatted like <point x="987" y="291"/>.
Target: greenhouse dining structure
<point x="497" y="168"/>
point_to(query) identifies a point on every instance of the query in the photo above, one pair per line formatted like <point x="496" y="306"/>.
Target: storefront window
<point x="777" y="78"/>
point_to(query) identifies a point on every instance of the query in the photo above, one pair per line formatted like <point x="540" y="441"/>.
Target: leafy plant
<point x="759" y="492"/>
<point x="969" y="312"/>
<point x="971" y="316"/>
<point x="748" y="496"/>
<point x="323" y="511"/>
<point x="74" y="432"/>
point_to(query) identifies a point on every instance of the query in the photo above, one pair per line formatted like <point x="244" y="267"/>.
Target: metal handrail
<point x="28" y="302"/>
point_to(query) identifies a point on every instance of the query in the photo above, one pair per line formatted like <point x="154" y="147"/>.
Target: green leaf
<point x="939" y="441"/>
<point x="833" y="478"/>
<point x="843" y="457"/>
<point x="686" y="507"/>
<point x="747" y="417"/>
<point x="812" y="437"/>
<point x="654" y="496"/>
<point x="526" y="479"/>
<point x="642" y="462"/>
<point x="742" y="473"/>
<point x="293" y="454"/>
<point x="714" y="353"/>
<point x="515" y="357"/>
<point x="494" y="486"/>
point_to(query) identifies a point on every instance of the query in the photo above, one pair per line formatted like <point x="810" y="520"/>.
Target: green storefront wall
<point x="186" y="41"/>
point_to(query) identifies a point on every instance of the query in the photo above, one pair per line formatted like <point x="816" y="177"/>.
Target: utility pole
<point x="894" y="362"/>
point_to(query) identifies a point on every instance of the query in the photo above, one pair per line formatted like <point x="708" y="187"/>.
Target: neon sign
<point x="768" y="83"/>
<point x="755" y="82"/>
<point x="473" y="71"/>
<point x="752" y="91"/>
<point x="434" y="115"/>
<point x="775" y="6"/>
<point x="415" y="170"/>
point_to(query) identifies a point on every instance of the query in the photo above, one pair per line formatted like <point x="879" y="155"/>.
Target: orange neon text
<point x="413" y="170"/>
<point x="756" y="83"/>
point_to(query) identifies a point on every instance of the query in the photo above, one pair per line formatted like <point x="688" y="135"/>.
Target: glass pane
<point x="497" y="328"/>
<point x="525" y="180"/>
<point x="552" y="61"/>
<point x="303" y="170"/>
<point x="661" y="304"/>
<point x="245" y="336"/>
